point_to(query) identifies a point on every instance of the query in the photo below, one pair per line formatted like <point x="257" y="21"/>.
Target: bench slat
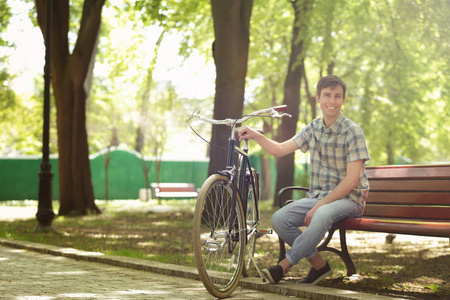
<point x="411" y="200"/>
<point x="436" y="229"/>
<point x="409" y="185"/>
<point x="177" y="195"/>
<point x="429" y="198"/>
<point x="412" y="171"/>
<point x="173" y="185"/>
<point x="410" y="212"/>
<point x="174" y="190"/>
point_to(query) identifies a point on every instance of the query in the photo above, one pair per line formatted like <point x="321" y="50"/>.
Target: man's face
<point x="331" y="100"/>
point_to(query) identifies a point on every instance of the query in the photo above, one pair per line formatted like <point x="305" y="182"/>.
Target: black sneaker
<point x="314" y="276"/>
<point x="273" y="274"/>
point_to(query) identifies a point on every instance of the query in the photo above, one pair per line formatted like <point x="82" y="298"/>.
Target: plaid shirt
<point x="331" y="150"/>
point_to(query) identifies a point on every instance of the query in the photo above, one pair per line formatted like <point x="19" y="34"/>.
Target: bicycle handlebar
<point x="272" y="111"/>
<point x="281" y="108"/>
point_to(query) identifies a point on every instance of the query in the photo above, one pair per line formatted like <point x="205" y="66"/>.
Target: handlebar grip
<point x="281" y="108"/>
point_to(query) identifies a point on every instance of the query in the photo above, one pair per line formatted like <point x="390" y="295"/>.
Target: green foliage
<point x="125" y="97"/>
<point x="433" y="287"/>
<point x="7" y="95"/>
<point x="393" y="55"/>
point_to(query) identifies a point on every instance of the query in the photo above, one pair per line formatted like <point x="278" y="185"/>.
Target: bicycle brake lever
<point x="195" y="112"/>
<point x="278" y="116"/>
<point x="276" y="113"/>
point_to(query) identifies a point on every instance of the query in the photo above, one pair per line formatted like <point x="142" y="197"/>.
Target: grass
<point x="411" y="267"/>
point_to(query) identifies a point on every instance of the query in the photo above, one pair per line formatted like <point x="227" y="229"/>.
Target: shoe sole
<point x="268" y="276"/>
<point x="321" y="277"/>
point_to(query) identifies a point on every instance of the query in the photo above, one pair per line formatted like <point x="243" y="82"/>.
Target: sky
<point x="192" y="78"/>
<point x="26" y="60"/>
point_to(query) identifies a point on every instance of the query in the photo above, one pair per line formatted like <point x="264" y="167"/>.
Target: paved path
<point x="32" y="271"/>
<point x="31" y="275"/>
<point x="43" y="272"/>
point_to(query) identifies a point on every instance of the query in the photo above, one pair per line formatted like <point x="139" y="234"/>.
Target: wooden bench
<point x="411" y="200"/>
<point x="174" y="190"/>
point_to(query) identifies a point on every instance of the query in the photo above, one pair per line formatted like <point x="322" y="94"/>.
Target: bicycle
<point x="226" y="216"/>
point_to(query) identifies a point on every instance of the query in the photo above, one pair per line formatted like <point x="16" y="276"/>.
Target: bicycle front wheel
<point x="252" y="221"/>
<point x="218" y="251"/>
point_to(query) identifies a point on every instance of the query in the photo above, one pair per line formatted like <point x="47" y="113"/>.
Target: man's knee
<point x="275" y="220"/>
<point x="323" y="216"/>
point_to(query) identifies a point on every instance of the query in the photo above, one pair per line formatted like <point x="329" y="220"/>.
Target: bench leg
<point x="343" y="254"/>
<point x="282" y="254"/>
<point x="351" y="269"/>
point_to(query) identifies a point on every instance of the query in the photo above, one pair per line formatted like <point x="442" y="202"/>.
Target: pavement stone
<point x="37" y="271"/>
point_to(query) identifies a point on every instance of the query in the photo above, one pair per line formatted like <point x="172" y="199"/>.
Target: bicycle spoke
<point x="218" y="251"/>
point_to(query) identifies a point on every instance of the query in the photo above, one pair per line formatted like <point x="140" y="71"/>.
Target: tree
<point x="299" y="45"/>
<point x="396" y="84"/>
<point x="70" y="72"/>
<point x="268" y="59"/>
<point x="230" y="52"/>
<point x="145" y="98"/>
<point x="7" y="95"/>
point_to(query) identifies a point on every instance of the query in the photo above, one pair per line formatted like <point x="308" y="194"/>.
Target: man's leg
<point x="286" y="222"/>
<point x="320" y="224"/>
<point x="304" y="243"/>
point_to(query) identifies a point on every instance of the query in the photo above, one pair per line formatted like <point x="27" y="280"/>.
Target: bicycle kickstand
<point x="261" y="231"/>
<point x="257" y="269"/>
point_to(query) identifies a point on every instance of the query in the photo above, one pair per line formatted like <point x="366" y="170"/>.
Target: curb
<point x="254" y="283"/>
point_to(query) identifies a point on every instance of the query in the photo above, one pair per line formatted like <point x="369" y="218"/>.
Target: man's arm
<point x="341" y="190"/>
<point x="270" y="146"/>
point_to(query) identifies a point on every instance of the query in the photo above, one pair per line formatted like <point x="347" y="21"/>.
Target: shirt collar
<point x="335" y="126"/>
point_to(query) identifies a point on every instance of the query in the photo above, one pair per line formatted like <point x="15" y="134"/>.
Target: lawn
<point x="411" y="267"/>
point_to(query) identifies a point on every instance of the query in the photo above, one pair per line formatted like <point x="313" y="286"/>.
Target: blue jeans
<point x="287" y="220"/>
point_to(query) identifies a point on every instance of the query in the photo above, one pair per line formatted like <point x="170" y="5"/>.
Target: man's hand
<point x="310" y="215"/>
<point x="343" y="188"/>
<point x="247" y="133"/>
<point x="272" y="147"/>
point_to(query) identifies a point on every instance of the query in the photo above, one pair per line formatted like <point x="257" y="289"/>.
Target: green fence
<point x="19" y="176"/>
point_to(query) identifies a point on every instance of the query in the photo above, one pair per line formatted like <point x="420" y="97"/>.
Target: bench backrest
<point x="174" y="187"/>
<point x="410" y="192"/>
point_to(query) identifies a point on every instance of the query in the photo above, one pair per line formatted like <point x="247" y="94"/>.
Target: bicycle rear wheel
<point x="251" y="219"/>
<point x="218" y="252"/>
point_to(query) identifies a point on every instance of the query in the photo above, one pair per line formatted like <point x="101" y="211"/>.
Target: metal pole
<point x="45" y="212"/>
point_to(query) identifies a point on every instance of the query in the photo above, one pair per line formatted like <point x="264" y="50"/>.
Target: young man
<point x="339" y="185"/>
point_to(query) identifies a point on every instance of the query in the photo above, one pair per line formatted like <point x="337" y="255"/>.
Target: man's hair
<point x="330" y="80"/>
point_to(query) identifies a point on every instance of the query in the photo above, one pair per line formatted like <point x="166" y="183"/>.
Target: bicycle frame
<point x="245" y="163"/>
<point x="240" y="186"/>
<point x="227" y="215"/>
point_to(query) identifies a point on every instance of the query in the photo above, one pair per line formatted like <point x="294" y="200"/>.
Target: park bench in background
<point x="411" y="200"/>
<point x="174" y="190"/>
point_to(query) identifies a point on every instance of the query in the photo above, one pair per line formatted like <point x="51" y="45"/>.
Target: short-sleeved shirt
<point x="332" y="148"/>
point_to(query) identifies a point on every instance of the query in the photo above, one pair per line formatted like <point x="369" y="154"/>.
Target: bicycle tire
<point x="219" y="259"/>
<point x="251" y="221"/>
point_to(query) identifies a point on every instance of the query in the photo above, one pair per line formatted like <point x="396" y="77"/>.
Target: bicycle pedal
<point x="265" y="231"/>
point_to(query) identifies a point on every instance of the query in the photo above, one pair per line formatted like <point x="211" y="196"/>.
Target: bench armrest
<point x="282" y="253"/>
<point x="287" y="189"/>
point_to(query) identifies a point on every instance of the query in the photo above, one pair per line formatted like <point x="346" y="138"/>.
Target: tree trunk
<point x="70" y="72"/>
<point x="288" y="127"/>
<point x="266" y="166"/>
<point x="266" y="184"/>
<point x="145" y="99"/>
<point x="311" y="98"/>
<point x="230" y="52"/>
<point x="390" y="150"/>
